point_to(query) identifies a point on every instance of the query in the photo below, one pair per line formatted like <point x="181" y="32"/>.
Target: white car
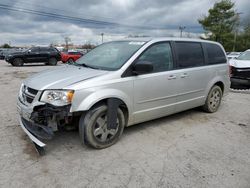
<point x="233" y="55"/>
<point x="240" y="71"/>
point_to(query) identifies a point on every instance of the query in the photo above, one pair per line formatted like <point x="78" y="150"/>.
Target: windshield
<point x="110" y="56"/>
<point x="244" y="56"/>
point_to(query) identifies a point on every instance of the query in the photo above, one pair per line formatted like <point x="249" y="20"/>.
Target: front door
<point x="32" y="55"/>
<point x="154" y="93"/>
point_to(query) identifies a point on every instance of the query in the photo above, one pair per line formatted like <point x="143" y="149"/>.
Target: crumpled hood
<point x="240" y="63"/>
<point x="61" y="77"/>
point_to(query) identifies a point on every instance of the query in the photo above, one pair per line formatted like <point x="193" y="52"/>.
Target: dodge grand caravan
<point x="123" y="83"/>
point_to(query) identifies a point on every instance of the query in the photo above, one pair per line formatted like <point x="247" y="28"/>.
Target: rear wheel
<point x="70" y="61"/>
<point x="213" y="99"/>
<point x="17" y="62"/>
<point x="94" y="131"/>
<point x="52" y="61"/>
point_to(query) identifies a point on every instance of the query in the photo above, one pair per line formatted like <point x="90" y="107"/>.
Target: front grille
<point x="28" y="94"/>
<point x="32" y="91"/>
<point x="241" y="72"/>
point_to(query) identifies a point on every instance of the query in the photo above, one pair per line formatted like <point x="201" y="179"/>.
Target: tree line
<point x="223" y="24"/>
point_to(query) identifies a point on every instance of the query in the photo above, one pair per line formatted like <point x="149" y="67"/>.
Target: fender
<point x="213" y="82"/>
<point x="99" y="95"/>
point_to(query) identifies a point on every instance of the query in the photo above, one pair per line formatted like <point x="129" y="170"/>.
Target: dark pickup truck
<point x="48" y="55"/>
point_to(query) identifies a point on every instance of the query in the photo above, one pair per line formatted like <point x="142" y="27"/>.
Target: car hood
<point x="240" y="63"/>
<point x="61" y="77"/>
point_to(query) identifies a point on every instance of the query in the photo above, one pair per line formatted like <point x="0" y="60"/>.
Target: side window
<point x="34" y="49"/>
<point x="160" y="55"/>
<point x="43" y="49"/>
<point x="189" y="54"/>
<point x="215" y="54"/>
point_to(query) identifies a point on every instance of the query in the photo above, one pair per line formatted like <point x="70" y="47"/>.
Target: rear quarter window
<point x="215" y="54"/>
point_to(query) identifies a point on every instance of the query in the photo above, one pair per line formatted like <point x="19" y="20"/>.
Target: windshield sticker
<point x="136" y="43"/>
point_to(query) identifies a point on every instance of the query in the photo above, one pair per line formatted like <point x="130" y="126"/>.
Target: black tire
<point x="52" y="61"/>
<point x="213" y="99"/>
<point x="93" y="133"/>
<point x="70" y="61"/>
<point x="17" y="62"/>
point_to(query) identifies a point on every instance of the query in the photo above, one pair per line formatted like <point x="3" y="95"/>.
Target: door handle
<point x="184" y="75"/>
<point x="171" y="77"/>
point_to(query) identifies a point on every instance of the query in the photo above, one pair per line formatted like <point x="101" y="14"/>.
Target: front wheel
<point x="17" y="62"/>
<point x="94" y="131"/>
<point x="213" y="99"/>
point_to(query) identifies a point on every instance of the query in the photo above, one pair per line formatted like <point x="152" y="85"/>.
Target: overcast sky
<point x="134" y="17"/>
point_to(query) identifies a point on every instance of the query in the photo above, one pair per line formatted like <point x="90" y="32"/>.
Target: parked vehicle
<point x="48" y="55"/>
<point x="6" y="51"/>
<point x="240" y="71"/>
<point x="123" y="83"/>
<point x="70" y="56"/>
<point x="232" y="55"/>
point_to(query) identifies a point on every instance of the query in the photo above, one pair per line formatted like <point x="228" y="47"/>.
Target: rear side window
<point x="215" y="54"/>
<point x="44" y="49"/>
<point x="189" y="54"/>
<point x="52" y="50"/>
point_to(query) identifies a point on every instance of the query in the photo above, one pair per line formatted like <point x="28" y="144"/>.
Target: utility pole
<point x="181" y="28"/>
<point x="236" y="25"/>
<point x="67" y="40"/>
<point x="102" y="34"/>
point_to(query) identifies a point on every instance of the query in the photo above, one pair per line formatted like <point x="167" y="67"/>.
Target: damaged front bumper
<point x="31" y="136"/>
<point x="39" y="121"/>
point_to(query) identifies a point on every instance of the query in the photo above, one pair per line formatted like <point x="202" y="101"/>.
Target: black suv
<point x="49" y="55"/>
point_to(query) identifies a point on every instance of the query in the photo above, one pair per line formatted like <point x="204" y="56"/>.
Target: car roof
<point x="150" y="39"/>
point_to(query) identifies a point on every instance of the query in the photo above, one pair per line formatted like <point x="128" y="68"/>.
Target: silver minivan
<point x="123" y="83"/>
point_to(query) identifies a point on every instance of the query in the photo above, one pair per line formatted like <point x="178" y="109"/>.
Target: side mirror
<point x="142" y="67"/>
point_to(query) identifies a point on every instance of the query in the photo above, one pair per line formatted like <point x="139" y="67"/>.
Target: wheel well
<point x="122" y="106"/>
<point x="18" y="58"/>
<point x="221" y="85"/>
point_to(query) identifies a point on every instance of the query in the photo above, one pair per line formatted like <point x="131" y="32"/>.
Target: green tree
<point x="6" y="46"/>
<point x="221" y="22"/>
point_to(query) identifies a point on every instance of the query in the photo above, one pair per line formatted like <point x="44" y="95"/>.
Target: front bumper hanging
<point x="31" y="136"/>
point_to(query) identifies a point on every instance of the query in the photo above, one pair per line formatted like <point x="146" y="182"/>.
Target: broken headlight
<point x="57" y="97"/>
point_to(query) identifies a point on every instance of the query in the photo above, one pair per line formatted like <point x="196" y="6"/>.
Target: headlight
<point x="57" y="97"/>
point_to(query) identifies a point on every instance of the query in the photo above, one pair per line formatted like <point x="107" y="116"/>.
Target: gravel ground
<point x="189" y="149"/>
